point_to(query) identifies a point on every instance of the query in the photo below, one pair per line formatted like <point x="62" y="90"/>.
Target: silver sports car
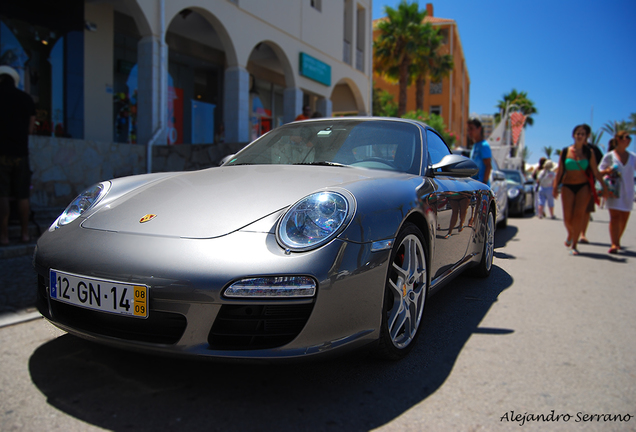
<point x="319" y="237"/>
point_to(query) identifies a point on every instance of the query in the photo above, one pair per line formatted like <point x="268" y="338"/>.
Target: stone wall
<point x="63" y="168"/>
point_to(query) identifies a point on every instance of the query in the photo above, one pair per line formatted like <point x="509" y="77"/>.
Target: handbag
<point x="613" y="183"/>
<point x="592" y="181"/>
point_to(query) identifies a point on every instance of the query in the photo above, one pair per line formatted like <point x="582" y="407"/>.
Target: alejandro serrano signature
<point x="553" y="417"/>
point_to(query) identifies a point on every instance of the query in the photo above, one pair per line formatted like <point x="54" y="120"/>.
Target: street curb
<point x="12" y="318"/>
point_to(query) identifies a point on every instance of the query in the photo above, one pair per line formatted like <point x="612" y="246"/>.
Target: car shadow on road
<point x="118" y="390"/>
<point x="502" y="237"/>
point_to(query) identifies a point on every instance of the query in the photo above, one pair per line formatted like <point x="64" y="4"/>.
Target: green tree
<point x="517" y="101"/>
<point x="596" y="139"/>
<point x="429" y="62"/>
<point x="548" y="151"/>
<point x="614" y="127"/>
<point x="632" y="121"/>
<point x="396" y="45"/>
<point x="383" y="104"/>
<point x="435" y="121"/>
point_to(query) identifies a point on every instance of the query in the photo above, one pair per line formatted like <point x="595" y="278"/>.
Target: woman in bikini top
<point x="576" y="193"/>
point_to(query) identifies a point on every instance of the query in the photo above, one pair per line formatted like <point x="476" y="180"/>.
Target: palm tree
<point x="548" y="151"/>
<point x="518" y="101"/>
<point x="613" y="128"/>
<point x="429" y="61"/>
<point x="397" y="45"/>
<point x="632" y="121"/>
<point x="596" y="139"/>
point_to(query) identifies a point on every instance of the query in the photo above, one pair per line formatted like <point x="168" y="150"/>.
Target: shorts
<point x="545" y="195"/>
<point x="15" y="177"/>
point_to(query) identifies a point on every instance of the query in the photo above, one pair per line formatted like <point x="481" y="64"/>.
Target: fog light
<point x="272" y="287"/>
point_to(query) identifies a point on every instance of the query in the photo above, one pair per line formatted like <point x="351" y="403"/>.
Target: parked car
<point x="319" y="237"/>
<point x="499" y="186"/>
<point x="521" y="192"/>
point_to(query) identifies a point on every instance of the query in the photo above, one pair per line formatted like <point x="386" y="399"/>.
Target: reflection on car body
<point x="319" y="237"/>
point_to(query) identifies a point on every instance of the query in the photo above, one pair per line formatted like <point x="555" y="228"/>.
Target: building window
<point x="436" y="109"/>
<point x="436" y="88"/>
<point x="316" y="4"/>
<point x="360" y="38"/>
<point x="348" y="32"/>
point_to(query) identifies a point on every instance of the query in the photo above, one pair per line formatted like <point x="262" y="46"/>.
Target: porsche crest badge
<point x="147" y="218"/>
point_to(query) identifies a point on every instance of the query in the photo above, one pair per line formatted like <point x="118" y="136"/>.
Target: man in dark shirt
<point x="17" y="121"/>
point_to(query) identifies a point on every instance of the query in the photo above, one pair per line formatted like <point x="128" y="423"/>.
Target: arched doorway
<point x="269" y="71"/>
<point x="347" y="100"/>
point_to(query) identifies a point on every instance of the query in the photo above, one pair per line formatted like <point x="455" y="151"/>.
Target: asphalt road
<point x="547" y="335"/>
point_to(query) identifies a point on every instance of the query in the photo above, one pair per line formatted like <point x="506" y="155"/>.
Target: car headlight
<point x="513" y="193"/>
<point x="314" y="220"/>
<point x="83" y="202"/>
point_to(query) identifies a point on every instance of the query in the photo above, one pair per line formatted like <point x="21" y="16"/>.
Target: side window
<point x="437" y="148"/>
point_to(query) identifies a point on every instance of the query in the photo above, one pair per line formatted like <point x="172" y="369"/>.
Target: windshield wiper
<point x="323" y="163"/>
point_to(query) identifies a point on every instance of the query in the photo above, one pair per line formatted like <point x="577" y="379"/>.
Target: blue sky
<point x="575" y="58"/>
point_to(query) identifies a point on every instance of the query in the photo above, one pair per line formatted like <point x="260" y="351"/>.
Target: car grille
<point x="159" y="327"/>
<point x="243" y="327"/>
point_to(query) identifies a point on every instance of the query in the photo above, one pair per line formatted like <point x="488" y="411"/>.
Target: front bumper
<point x="188" y="314"/>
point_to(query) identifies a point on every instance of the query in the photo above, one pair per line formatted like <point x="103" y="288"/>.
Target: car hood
<point x="215" y="202"/>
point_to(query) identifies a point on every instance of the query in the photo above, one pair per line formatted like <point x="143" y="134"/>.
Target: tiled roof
<point x="436" y="20"/>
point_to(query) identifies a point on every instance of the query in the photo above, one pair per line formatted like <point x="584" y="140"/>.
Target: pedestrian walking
<point x="619" y="164"/>
<point x="535" y="178"/>
<point x="17" y="121"/>
<point x="576" y="173"/>
<point x="591" y="207"/>
<point x="545" y="180"/>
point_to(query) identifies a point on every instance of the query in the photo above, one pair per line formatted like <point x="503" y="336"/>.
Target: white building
<point x="198" y="71"/>
<point x="217" y="54"/>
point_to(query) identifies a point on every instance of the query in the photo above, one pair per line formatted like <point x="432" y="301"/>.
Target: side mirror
<point x="226" y="159"/>
<point x="455" y="165"/>
<point x="498" y="176"/>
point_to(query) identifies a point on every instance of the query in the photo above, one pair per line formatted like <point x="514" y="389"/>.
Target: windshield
<point x="378" y="144"/>
<point x="513" y="176"/>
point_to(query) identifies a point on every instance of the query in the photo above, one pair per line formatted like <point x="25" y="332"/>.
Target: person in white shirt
<point x="622" y="164"/>
<point x="545" y="179"/>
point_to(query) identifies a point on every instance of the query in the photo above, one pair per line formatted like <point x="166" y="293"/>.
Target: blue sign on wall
<point x="314" y="69"/>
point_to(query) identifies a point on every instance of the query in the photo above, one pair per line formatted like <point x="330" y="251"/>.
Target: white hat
<point x="8" y="70"/>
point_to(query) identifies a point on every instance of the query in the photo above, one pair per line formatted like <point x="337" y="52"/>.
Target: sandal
<point x="574" y="252"/>
<point x="568" y="243"/>
<point x="613" y="250"/>
<point x="584" y="240"/>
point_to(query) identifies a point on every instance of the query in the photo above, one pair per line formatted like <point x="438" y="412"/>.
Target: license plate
<point x="101" y="295"/>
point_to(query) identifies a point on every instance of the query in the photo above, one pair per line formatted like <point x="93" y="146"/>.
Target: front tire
<point x="404" y="295"/>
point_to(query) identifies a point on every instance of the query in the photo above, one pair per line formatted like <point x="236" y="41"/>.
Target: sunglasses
<point x="627" y="137"/>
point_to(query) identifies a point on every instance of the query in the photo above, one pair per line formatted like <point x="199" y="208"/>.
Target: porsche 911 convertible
<point x="320" y="237"/>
